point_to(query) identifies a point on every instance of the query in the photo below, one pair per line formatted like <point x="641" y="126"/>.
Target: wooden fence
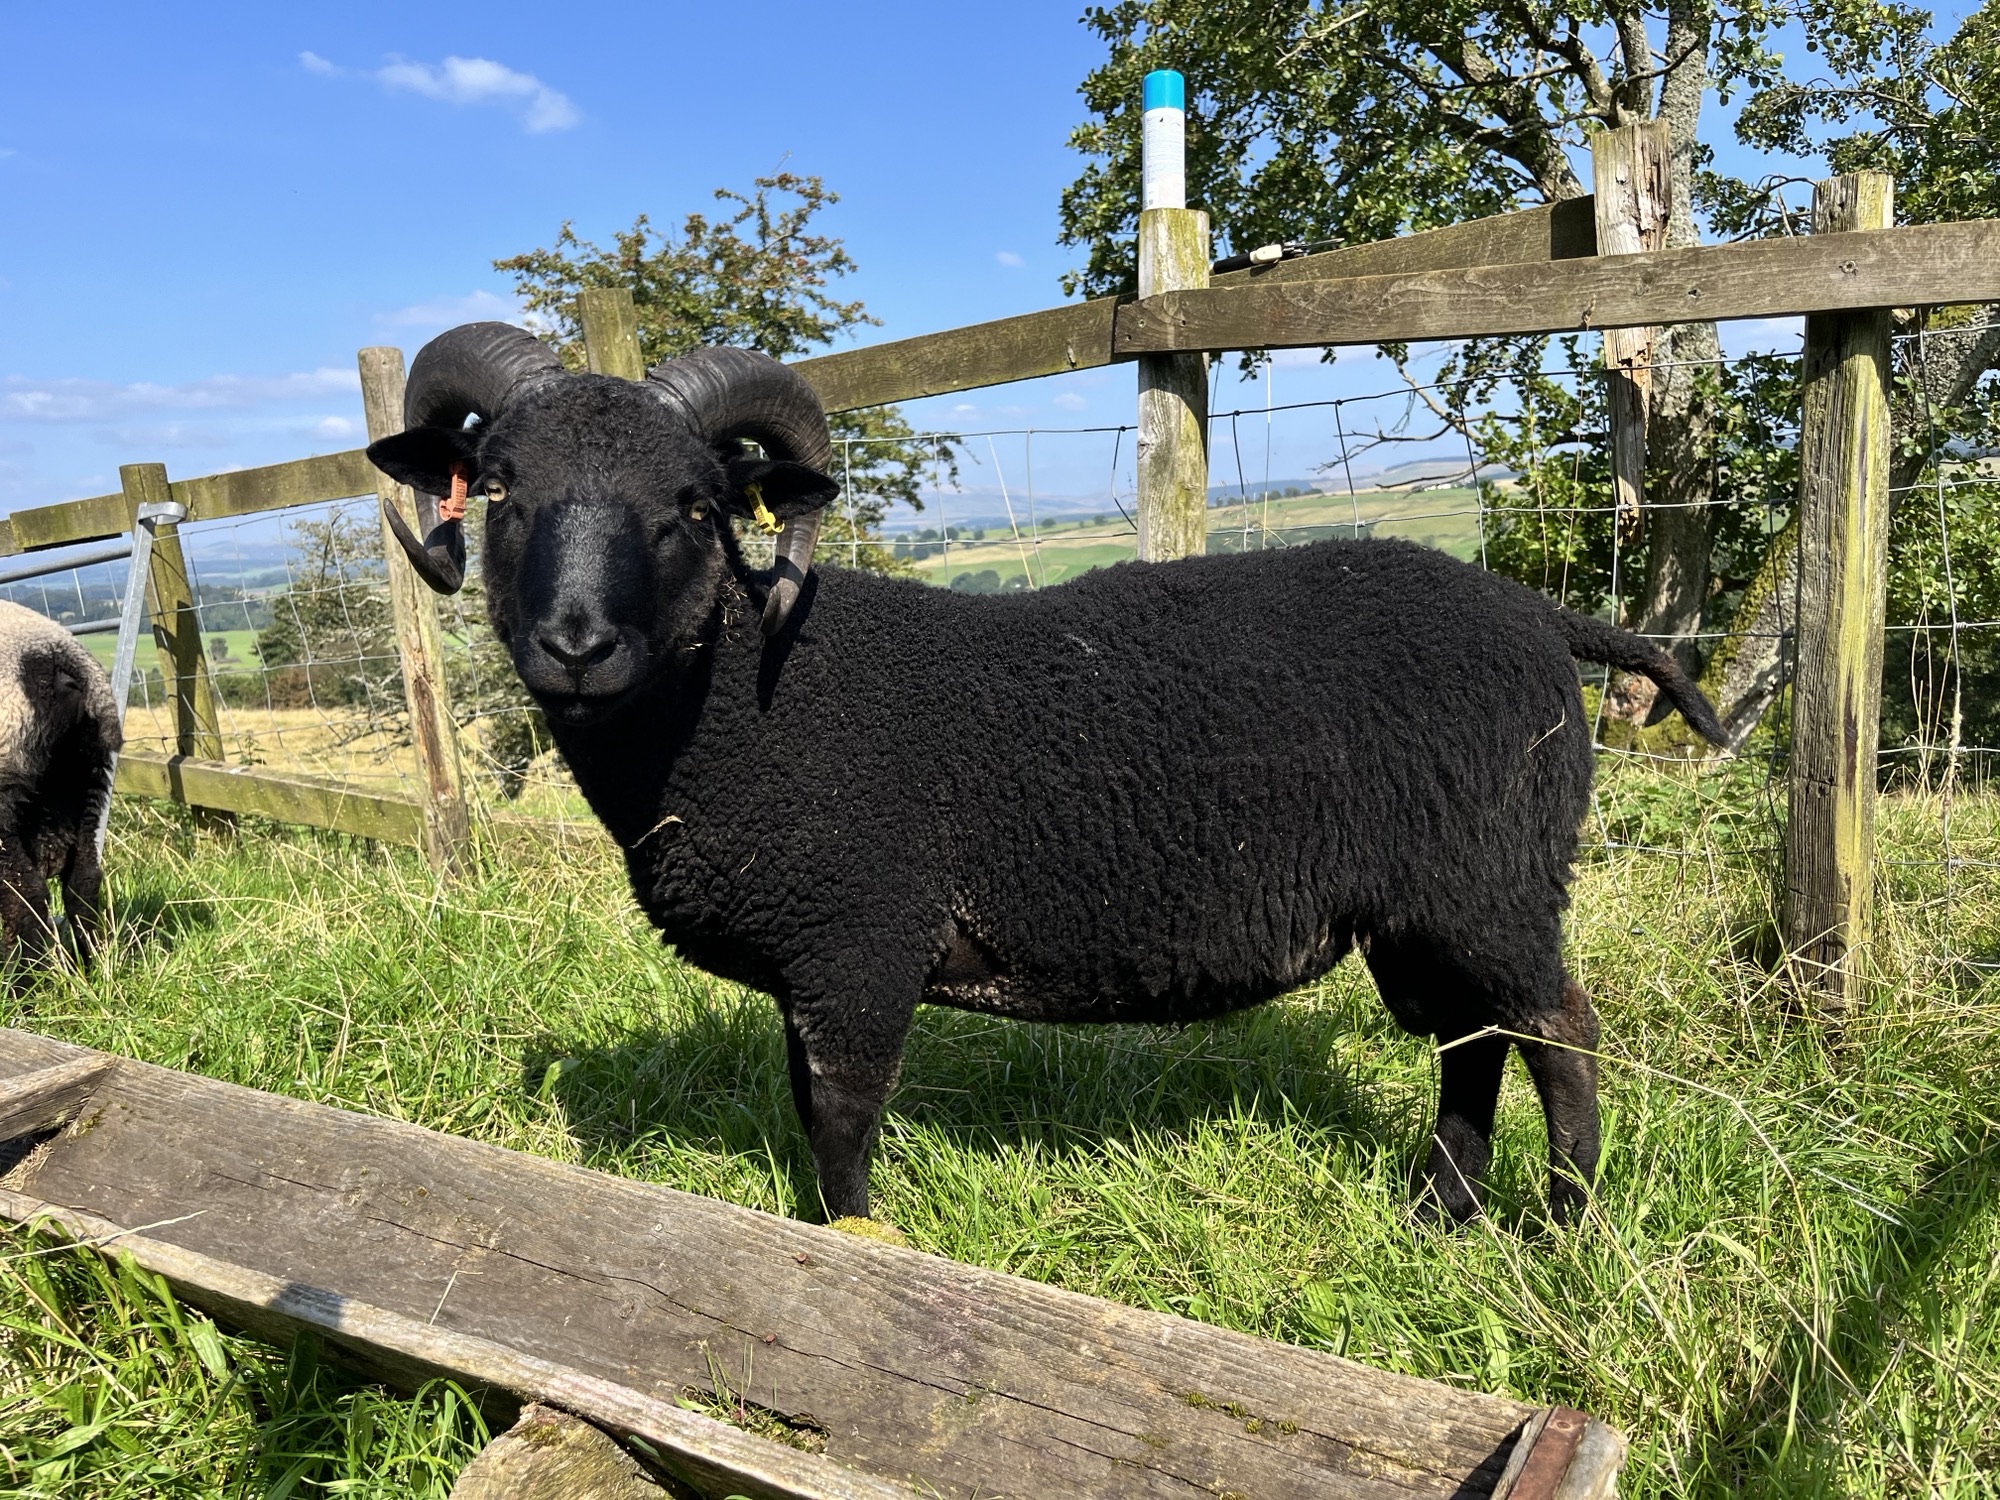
<point x="1589" y="264"/>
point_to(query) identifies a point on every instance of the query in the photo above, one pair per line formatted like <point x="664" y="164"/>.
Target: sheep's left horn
<point x="473" y="370"/>
<point x="737" y="393"/>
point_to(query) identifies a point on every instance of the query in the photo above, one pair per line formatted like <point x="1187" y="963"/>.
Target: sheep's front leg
<point x="1565" y="1072"/>
<point x="843" y="1056"/>
<point x="1469" y="1073"/>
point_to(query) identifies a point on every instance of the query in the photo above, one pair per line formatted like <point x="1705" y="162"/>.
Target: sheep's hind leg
<point x="1565" y="1072"/>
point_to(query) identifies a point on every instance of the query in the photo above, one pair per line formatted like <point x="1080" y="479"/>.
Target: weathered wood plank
<point x="1078" y="337"/>
<point x="1173" y="396"/>
<point x="286" y="797"/>
<point x="1918" y="264"/>
<point x="610" y="332"/>
<point x="406" y="1352"/>
<point x="1552" y="231"/>
<point x="447" y="819"/>
<point x="300" y="481"/>
<point x="962" y="359"/>
<point x="550" y="1455"/>
<point x="49" y="1096"/>
<point x="920" y="1370"/>
<point x="1843" y="566"/>
<point x="176" y="626"/>
<point x="1633" y="171"/>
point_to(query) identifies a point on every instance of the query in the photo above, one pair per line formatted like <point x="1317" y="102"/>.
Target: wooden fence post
<point x="177" y="633"/>
<point x="1633" y="178"/>
<point x="446" y="818"/>
<point x="1173" y="396"/>
<point x="176" y="625"/>
<point x="610" y="332"/>
<point x="1843" y="555"/>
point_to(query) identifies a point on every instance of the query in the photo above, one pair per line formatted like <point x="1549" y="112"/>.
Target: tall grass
<point x="1789" y="1283"/>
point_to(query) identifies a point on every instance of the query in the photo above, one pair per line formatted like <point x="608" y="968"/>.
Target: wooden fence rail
<point x="1538" y="271"/>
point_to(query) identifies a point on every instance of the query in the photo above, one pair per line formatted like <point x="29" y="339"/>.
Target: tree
<point x="1350" y="122"/>
<point x="757" y="277"/>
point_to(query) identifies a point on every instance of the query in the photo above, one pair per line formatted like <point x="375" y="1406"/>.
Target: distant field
<point x="1446" y="519"/>
<point x="240" y="657"/>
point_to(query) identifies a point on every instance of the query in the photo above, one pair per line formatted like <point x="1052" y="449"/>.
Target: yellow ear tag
<point x="760" y="512"/>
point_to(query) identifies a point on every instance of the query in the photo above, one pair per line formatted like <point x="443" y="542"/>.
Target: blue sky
<point x="209" y="208"/>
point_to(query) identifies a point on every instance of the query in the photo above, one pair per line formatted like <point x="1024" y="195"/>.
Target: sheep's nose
<point x="578" y="651"/>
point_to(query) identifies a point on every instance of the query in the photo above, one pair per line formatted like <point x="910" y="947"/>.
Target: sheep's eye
<point x="698" y="512"/>
<point x="495" y="492"/>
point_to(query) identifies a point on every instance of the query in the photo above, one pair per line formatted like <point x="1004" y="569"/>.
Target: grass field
<point x="1789" y="1284"/>
<point x="1445" y="518"/>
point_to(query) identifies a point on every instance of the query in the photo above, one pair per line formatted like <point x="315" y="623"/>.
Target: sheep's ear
<point x="423" y="457"/>
<point x="778" y="488"/>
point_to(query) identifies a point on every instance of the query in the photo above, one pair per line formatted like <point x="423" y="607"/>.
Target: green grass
<point x="1437" y="518"/>
<point x="242" y="656"/>
<point x="1790" y="1282"/>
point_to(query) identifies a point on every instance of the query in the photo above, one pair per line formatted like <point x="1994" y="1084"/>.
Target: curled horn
<point x="738" y="393"/>
<point x="477" y="369"/>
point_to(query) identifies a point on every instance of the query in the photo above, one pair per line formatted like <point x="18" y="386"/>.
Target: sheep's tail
<point x="1594" y="640"/>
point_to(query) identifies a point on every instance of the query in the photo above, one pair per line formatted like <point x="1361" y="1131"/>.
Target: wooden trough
<point x="418" y="1254"/>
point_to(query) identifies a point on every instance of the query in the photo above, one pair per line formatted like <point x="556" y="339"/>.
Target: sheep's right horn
<point x="738" y="393"/>
<point x="478" y="369"/>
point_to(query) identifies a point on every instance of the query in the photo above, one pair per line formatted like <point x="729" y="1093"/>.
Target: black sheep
<point x="1156" y="793"/>
<point x="59" y="742"/>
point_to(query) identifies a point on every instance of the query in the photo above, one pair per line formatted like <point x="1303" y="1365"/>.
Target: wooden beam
<point x="1552" y="231"/>
<point x="176" y="623"/>
<point x="1917" y="265"/>
<point x="284" y="797"/>
<point x="1078" y="337"/>
<point x="962" y="359"/>
<point x="551" y="1455"/>
<point x="301" y="481"/>
<point x="1633" y="168"/>
<point x="447" y="838"/>
<point x="1843" y="567"/>
<point x="426" y="1253"/>
<point x="1173" y="397"/>
<point x="610" y="332"/>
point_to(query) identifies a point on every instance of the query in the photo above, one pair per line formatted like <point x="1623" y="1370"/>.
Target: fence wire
<point x="1504" y="466"/>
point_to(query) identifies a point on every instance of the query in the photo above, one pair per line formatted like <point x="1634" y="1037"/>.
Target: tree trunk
<point x="1747" y="670"/>
<point x="1680" y="483"/>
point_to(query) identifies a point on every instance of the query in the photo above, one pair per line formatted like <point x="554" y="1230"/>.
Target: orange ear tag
<point x="452" y="507"/>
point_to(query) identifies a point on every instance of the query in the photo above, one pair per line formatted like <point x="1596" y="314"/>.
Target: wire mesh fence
<point x="1502" y="463"/>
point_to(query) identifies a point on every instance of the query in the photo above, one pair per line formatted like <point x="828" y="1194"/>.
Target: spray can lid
<point x="1165" y="89"/>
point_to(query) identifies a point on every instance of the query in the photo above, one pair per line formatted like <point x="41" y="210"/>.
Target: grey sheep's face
<point x="607" y="542"/>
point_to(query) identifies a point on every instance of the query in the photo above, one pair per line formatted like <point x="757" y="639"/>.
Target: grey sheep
<point x="59" y="743"/>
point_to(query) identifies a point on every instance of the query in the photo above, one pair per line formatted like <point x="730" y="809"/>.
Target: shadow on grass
<point x="152" y="916"/>
<point x="1793" y="1430"/>
<point x="718" y="1082"/>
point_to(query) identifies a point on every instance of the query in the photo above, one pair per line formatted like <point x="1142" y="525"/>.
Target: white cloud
<point x="336" y="427"/>
<point x="75" y="400"/>
<point x="438" y="313"/>
<point x="1008" y="258"/>
<point x="312" y="62"/>
<point x="964" y="409"/>
<point x="480" y="80"/>
<point x="1069" y="401"/>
